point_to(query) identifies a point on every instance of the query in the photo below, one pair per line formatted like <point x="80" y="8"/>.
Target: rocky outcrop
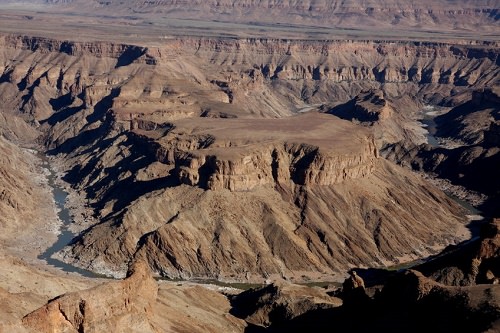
<point x="126" y="54"/>
<point x="408" y="302"/>
<point x="221" y="161"/>
<point x="284" y="166"/>
<point x="122" y="305"/>
<point x="440" y="304"/>
<point x="294" y="232"/>
<point x="278" y="303"/>
<point x="474" y="263"/>
<point x="372" y="109"/>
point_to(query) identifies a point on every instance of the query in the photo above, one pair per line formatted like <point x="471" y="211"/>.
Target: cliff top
<point x="326" y="132"/>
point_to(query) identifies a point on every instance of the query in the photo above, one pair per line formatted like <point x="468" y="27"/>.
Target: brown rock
<point x="280" y="302"/>
<point x="125" y="305"/>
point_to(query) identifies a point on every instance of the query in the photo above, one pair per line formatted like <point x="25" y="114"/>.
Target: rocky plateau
<point x="238" y="142"/>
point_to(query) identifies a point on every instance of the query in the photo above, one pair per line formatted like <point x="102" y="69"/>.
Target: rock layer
<point x="218" y="192"/>
<point x="126" y="304"/>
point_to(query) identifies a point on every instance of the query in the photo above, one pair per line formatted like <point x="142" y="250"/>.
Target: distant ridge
<point x="425" y="15"/>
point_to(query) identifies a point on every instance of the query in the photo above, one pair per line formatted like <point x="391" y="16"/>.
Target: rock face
<point x="276" y="304"/>
<point x="280" y="75"/>
<point x="310" y="149"/>
<point x="408" y="302"/>
<point x="469" y="134"/>
<point x="475" y="263"/>
<point x="439" y="305"/>
<point x="124" y="304"/>
<point x="239" y="235"/>
<point x="218" y="192"/>
<point x="136" y="304"/>
<point x="18" y="180"/>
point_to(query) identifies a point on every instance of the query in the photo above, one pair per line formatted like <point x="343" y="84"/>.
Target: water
<point x="431" y="127"/>
<point x="429" y="124"/>
<point x="65" y="236"/>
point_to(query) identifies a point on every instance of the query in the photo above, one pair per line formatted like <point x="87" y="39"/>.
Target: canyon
<point x="185" y="135"/>
<point x="263" y="153"/>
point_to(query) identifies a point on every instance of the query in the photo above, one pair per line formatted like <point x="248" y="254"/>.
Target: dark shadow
<point x="316" y="74"/>
<point x="205" y="171"/>
<point x="67" y="47"/>
<point x="276" y="72"/>
<point x="110" y="187"/>
<point x="129" y="190"/>
<point x="352" y="111"/>
<point x="88" y="137"/>
<point x="84" y="138"/>
<point x="23" y="83"/>
<point x="131" y="54"/>
<point x="247" y="302"/>
<point x="344" y="111"/>
<point x="374" y="276"/>
<point x="5" y="77"/>
<point x="61" y="102"/>
<point x="301" y="166"/>
<point x="491" y="206"/>
<point x="103" y="106"/>
<point x="63" y="114"/>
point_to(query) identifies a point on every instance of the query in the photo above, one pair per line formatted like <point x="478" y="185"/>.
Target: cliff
<point x="218" y="191"/>
<point x="234" y="160"/>
<point x="272" y="78"/>
<point x="102" y="308"/>
<point x="135" y="304"/>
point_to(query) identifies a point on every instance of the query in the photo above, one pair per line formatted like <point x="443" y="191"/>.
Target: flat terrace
<point x="151" y="29"/>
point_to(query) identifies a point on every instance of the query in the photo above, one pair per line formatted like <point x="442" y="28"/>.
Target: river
<point x="65" y="236"/>
<point x="429" y="124"/>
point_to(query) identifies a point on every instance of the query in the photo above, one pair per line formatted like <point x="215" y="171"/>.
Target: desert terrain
<point x="159" y="158"/>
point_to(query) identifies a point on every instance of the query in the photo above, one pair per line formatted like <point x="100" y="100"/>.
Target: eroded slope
<point x="193" y="195"/>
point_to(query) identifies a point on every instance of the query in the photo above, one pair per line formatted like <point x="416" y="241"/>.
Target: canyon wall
<point x="169" y="145"/>
<point x="270" y="77"/>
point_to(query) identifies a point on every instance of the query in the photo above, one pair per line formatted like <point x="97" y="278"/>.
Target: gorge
<point x="252" y="155"/>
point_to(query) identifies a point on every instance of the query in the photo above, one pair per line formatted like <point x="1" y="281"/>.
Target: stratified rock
<point x="125" y="306"/>
<point x="264" y="198"/>
<point x="288" y="197"/>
